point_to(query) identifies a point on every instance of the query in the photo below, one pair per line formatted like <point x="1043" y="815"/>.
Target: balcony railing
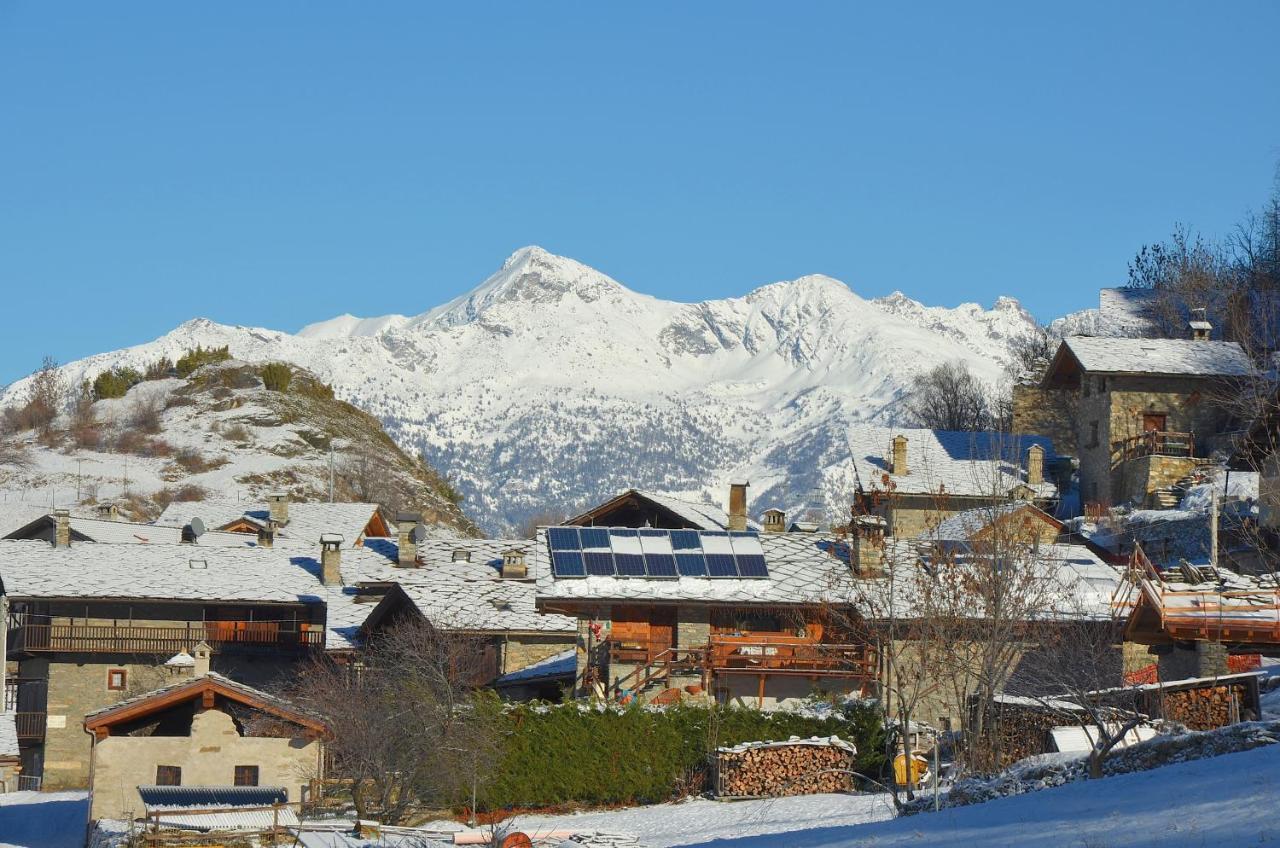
<point x="752" y="654"/>
<point x="141" y="639"/>
<point x="30" y="725"/>
<point x="1157" y="443"/>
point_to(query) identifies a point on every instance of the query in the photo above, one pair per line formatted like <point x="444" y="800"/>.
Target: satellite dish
<point x="197" y="528"/>
<point x="419" y="534"/>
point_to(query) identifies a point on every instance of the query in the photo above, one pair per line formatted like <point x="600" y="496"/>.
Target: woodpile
<point x="1207" y="707"/>
<point x="775" y="769"/>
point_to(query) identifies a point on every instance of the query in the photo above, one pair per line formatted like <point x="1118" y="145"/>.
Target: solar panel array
<point x="655" y="554"/>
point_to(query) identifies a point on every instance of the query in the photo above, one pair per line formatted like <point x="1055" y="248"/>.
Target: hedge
<point x="573" y="753"/>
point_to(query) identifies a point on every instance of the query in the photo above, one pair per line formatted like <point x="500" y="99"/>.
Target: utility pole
<point x="330" y="472"/>
<point x="1213" y="524"/>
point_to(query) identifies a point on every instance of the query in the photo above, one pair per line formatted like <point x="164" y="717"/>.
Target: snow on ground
<point x="1227" y="800"/>
<point x="699" y="819"/>
<point x="43" y="819"/>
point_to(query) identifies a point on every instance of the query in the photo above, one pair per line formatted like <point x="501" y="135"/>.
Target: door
<point x="1153" y="421"/>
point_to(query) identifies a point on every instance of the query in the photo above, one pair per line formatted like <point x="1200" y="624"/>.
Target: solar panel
<point x="655" y="554"/>
<point x="564" y="539"/>
<point x="567" y="564"/>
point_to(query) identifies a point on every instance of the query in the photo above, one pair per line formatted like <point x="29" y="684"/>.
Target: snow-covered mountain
<point x="551" y="385"/>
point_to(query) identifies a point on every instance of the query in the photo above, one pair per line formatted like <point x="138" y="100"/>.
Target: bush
<point x="115" y="383"/>
<point x="193" y="462"/>
<point x="145" y="415"/>
<point x="140" y="444"/>
<point x="236" y="432"/>
<point x="276" y="376"/>
<point x="160" y="369"/>
<point x="199" y="357"/>
<point x="183" y="494"/>
<point x="573" y="753"/>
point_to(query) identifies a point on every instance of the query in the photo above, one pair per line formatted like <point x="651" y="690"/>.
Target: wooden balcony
<point x="772" y="655"/>
<point x="142" y="639"/>
<point x="30" y="726"/>
<point x="1157" y="443"/>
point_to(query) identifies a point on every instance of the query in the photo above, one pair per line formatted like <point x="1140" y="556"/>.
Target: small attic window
<point x="462" y="555"/>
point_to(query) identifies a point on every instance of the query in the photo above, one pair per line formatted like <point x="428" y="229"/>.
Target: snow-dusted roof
<point x="307" y="520"/>
<point x="966" y="524"/>
<point x="563" y="664"/>
<point x="8" y="734"/>
<point x="703" y="516"/>
<point x="104" y="530"/>
<point x="1159" y="356"/>
<point x="810" y="568"/>
<point x="470" y="595"/>
<point x="194" y="683"/>
<point x="982" y="464"/>
<point x="16" y="515"/>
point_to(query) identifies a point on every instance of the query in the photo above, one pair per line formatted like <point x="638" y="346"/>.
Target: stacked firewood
<point x="795" y="767"/>
<point x="1206" y="708"/>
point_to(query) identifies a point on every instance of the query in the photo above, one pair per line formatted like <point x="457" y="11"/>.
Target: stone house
<point x="634" y="508"/>
<point x="1017" y="523"/>
<point x="916" y="478"/>
<point x="1149" y="411"/>
<point x="200" y="729"/>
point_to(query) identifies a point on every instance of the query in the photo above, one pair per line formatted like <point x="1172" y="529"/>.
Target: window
<point x="1093" y="434"/>
<point x="246" y="776"/>
<point x="168" y="775"/>
<point x="116" y="678"/>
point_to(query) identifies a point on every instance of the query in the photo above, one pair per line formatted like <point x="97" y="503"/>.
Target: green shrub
<point x="115" y="383"/>
<point x="194" y="359"/>
<point x="276" y="376"/>
<point x="160" y="369"/>
<point x="575" y="753"/>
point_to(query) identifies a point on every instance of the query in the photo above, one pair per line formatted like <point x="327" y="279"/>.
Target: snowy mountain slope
<point x="551" y="385"/>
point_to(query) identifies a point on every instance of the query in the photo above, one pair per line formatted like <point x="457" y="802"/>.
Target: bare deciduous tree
<point x="949" y="397"/>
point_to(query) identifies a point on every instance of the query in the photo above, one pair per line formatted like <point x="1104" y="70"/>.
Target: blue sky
<point x="280" y="163"/>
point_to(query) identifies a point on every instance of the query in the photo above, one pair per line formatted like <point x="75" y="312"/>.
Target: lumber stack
<point x="794" y="767"/>
<point x="1207" y="707"/>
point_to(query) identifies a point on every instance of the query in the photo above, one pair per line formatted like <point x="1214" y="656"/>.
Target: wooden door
<point x="662" y="628"/>
<point x="1154" y="421"/>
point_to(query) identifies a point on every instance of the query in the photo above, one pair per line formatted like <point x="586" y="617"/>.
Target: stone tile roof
<point x="195" y="683"/>
<point x="963" y="525"/>
<point x="1160" y="356"/>
<point x="703" y="516"/>
<point x="984" y="464"/>
<point x="123" y="532"/>
<point x="563" y="664"/>
<point x="306" y="520"/>
<point x="809" y="568"/>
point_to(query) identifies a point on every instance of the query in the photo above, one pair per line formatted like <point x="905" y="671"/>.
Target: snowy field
<point x="1224" y="801"/>
<point x="43" y="819"/>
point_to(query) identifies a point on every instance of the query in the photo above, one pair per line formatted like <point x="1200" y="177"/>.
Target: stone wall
<point x="208" y="757"/>
<point x="1047" y="412"/>
<point x="521" y="651"/>
<point x="1136" y="479"/>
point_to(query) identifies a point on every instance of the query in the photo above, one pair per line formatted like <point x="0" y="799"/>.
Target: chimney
<point x="513" y="567"/>
<point x="278" y="503"/>
<point x="738" y="506"/>
<point x="108" y="512"/>
<point x="267" y="533"/>
<point x="61" y="528"/>
<point x="1199" y="325"/>
<point x="1035" y="465"/>
<point x="201" y="654"/>
<point x="866" y="551"/>
<point x="331" y="559"/>
<point x="407" y="525"/>
<point x="775" y="521"/>
<point x="899" y="468"/>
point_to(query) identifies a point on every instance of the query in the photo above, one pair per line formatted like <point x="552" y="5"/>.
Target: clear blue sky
<point x="279" y="163"/>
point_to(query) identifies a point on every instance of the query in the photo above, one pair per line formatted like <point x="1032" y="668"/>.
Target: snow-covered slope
<point x="551" y="385"/>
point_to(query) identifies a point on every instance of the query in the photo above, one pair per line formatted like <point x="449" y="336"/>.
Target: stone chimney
<point x="899" y="468"/>
<point x="267" y="533"/>
<point x="61" y="528"/>
<point x="201" y="653"/>
<point x="866" y="548"/>
<point x="108" y="512"/>
<point x="738" y="506"/>
<point x="331" y="559"/>
<point x="1199" y="325"/>
<point x="775" y="521"/>
<point x="407" y="525"/>
<point x="278" y="503"/>
<point x="1035" y="465"/>
<point x="513" y="566"/>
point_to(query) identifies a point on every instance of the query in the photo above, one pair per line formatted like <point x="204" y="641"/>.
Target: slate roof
<point x="964" y="525"/>
<point x="471" y="595"/>
<point x="195" y="683"/>
<point x="306" y="520"/>
<point x="563" y="664"/>
<point x="703" y="516"/>
<point x="983" y="464"/>
<point x="123" y="532"/>
<point x="8" y="734"/>
<point x="1159" y="356"/>
<point x="810" y="568"/>
<point x="15" y="516"/>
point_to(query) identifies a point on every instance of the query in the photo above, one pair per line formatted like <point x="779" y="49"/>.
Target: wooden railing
<point x="789" y="656"/>
<point x="141" y="639"/>
<point x="1157" y="443"/>
<point x="30" y="725"/>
